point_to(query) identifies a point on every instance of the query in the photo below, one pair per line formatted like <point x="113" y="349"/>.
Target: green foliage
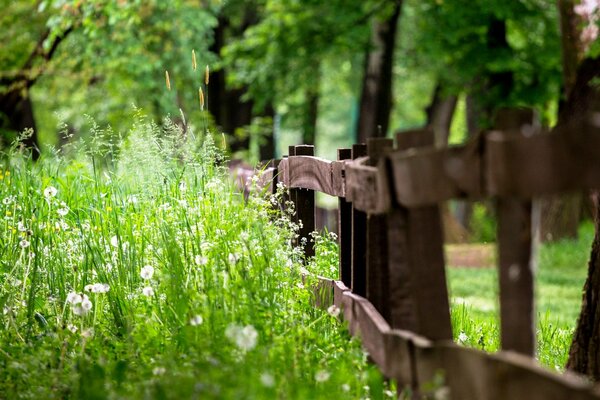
<point x="450" y="40"/>
<point x="482" y="224"/>
<point x="132" y="268"/>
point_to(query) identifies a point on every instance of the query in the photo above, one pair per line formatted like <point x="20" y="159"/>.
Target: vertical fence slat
<point x="305" y="201"/>
<point x="419" y="295"/>
<point x="359" y="238"/>
<point x="516" y="276"/>
<point x="517" y="330"/>
<point x="345" y="229"/>
<point x="377" y="260"/>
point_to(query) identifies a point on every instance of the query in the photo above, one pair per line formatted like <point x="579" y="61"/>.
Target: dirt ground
<point x="471" y="255"/>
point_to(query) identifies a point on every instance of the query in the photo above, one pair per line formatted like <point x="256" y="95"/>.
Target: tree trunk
<point x="311" y="108"/>
<point x="376" y="96"/>
<point x="17" y="107"/>
<point x="561" y="214"/>
<point x="439" y="115"/>
<point x="267" y="146"/>
<point x="584" y="355"/>
<point x="225" y="104"/>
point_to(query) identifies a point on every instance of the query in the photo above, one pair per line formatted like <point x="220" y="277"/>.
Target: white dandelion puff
<point x="147" y="272"/>
<point x="322" y="376"/>
<point x="50" y="191"/>
<point x="196" y="320"/>
<point x="148" y="291"/>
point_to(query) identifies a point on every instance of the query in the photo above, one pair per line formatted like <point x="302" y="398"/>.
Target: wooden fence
<point x="392" y="284"/>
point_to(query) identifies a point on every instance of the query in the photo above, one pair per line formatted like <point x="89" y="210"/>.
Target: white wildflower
<point x="199" y="260"/>
<point x="334" y="311"/>
<point x="114" y="241"/>
<point x="233" y="258"/>
<point x="97" y="288"/>
<point x="159" y="371"/>
<point x="196" y="320"/>
<point x="50" y="191"/>
<point x="345" y="387"/>
<point x="62" y="211"/>
<point x="322" y="376"/>
<point x="74" y="298"/>
<point x="267" y="379"/>
<point x="147" y="272"/>
<point x="148" y="291"/>
<point x="245" y="337"/>
<point x="462" y="337"/>
<point x="72" y="328"/>
<point x="24" y="243"/>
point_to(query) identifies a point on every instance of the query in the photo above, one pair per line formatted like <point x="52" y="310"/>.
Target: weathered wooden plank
<point x="521" y="378"/>
<point x="372" y="328"/>
<point x="516" y="275"/>
<point x="359" y="236"/>
<point x="400" y="357"/>
<point x="338" y="291"/>
<point x="305" y="201"/>
<point x="429" y="176"/>
<point x="427" y="269"/>
<point x="317" y="174"/>
<point x="348" y="308"/>
<point x="466" y="372"/>
<point x="377" y="260"/>
<point x="415" y="138"/>
<point x="419" y="296"/>
<point x="367" y="187"/>
<point x="345" y="230"/>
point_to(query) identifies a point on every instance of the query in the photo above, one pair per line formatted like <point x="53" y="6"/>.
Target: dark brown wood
<point x="521" y="378"/>
<point x="293" y="193"/>
<point x="305" y="200"/>
<point x="516" y="275"/>
<point x="316" y="174"/>
<point x="359" y="238"/>
<point x="367" y="187"/>
<point x="414" y="138"/>
<point x="377" y="260"/>
<point x="345" y="230"/>
<point x="429" y="176"/>
<point x="371" y="327"/>
<point x="419" y="296"/>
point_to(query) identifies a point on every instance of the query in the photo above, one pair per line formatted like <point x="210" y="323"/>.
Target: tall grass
<point x="132" y="268"/>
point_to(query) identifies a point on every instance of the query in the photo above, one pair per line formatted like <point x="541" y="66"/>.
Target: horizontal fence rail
<point x="392" y="283"/>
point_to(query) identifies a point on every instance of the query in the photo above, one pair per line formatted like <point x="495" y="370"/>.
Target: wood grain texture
<point x="345" y="230"/>
<point x="367" y="187"/>
<point x="377" y="259"/>
<point x="429" y="176"/>
<point x="372" y="328"/>
<point x="359" y="236"/>
<point x="316" y="174"/>
<point x="517" y="326"/>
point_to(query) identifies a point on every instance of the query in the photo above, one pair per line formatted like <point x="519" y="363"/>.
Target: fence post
<point x="359" y="238"/>
<point x="305" y="211"/>
<point x="517" y="329"/>
<point x="377" y="258"/>
<point x="345" y="229"/>
<point x="418" y="292"/>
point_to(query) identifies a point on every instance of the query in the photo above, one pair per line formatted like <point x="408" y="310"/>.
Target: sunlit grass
<point x="561" y="273"/>
<point x="133" y="269"/>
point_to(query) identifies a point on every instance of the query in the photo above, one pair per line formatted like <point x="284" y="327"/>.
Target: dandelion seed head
<point x="334" y="311"/>
<point x="267" y="379"/>
<point x="147" y="272"/>
<point x="50" y="192"/>
<point x="196" y="320"/>
<point x="322" y="376"/>
<point x="24" y="243"/>
<point x="148" y="291"/>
